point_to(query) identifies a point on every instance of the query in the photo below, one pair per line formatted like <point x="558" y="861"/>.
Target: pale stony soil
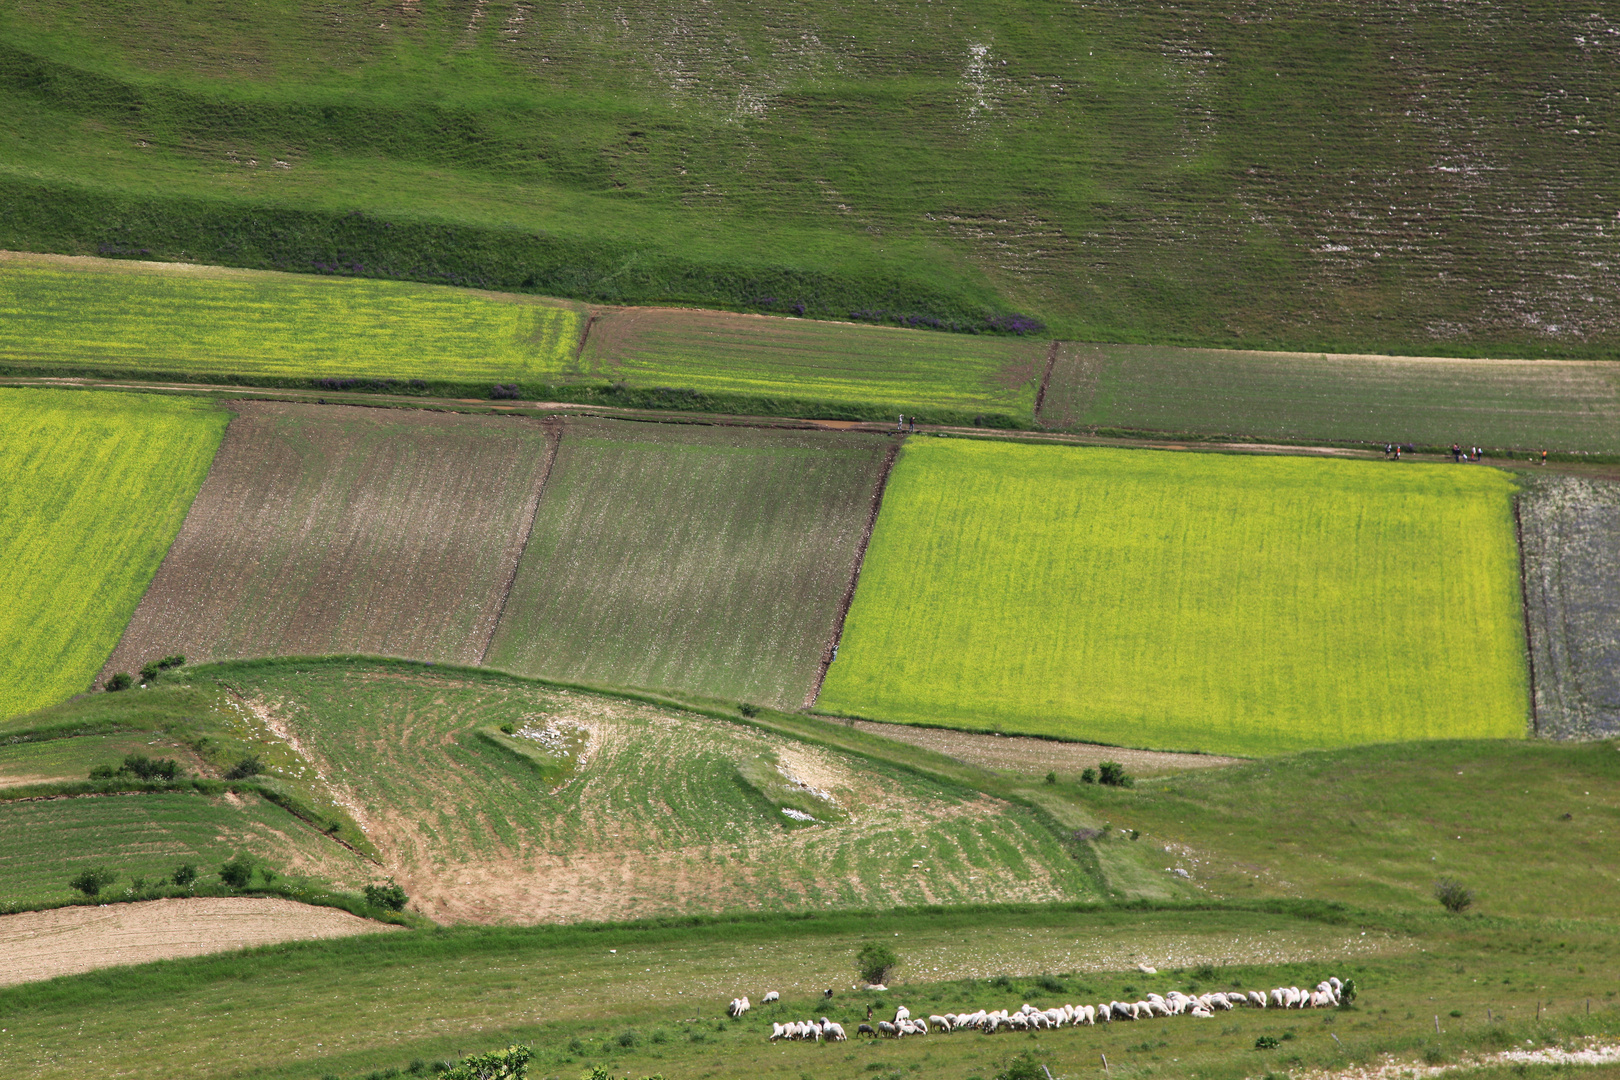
<point x="1039" y="756"/>
<point x="67" y="941"/>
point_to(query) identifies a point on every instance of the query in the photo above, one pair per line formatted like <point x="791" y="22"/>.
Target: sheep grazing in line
<point x="1327" y="994"/>
<point x="769" y="997"/>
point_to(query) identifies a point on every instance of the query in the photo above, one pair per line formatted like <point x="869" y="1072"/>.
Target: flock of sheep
<point x="1327" y="995"/>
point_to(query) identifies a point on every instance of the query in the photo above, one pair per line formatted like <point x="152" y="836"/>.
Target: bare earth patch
<point x="67" y="941"/>
<point x="1038" y="756"/>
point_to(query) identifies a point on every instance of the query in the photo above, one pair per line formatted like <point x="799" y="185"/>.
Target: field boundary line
<point x="528" y="534"/>
<point x="1046" y="380"/>
<point x="831" y="650"/>
<point x="1524" y="613"/>
<point x="584" y="336"/>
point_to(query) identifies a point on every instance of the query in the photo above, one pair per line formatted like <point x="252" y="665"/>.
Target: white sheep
<point x="902" y="1013"/>
<point x="770" y="997"/>
<point x="941" y="1022"/>
<point x="1257" y="999"/>
<point x="834" y="1032"/>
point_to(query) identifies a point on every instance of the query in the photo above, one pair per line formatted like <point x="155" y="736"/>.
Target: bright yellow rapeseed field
<point x="89" y="314"/>
<point x="96" y="486"/>
<point x="1244" y="605"/>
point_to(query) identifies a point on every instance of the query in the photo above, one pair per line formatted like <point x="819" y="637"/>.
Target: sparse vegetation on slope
<point x="1229" y="604"/>
<point x="96" y="486"/>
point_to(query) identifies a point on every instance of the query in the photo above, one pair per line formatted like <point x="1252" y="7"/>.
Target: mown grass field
<point x="1325" y="178"/>
<point x="334" y="530"/>
<point x="1175" y="601"/>
<point x="70" y="315"/>
<point x="902" y="371"/>
<point x="705" y="559"/>
<point x="649" y="999"/>
<point x="1501" y="404"/>
<point x="96" y="486"/>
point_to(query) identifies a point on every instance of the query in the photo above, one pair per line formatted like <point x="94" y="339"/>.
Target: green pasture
<point x="649" y="998"/>
<point x="1148" y="175"/>
<point x="1229" y="604"/>
<point x="901" y="371"/>
<point x="705" y="559"/>
<point x="205" y="322"/>
<point x="1499" y="404"/>
<point x="96" y="486"/>
<point x="44" y="843"/>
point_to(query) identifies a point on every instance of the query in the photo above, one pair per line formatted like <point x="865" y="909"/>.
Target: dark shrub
<point x="173" y="661"/>
<point x="1452" y="896"/>
<point x="389" y="896"/>
<point x="505" y="392"/>
<point x="1113" y="774"/>
<point x="237" y="873"/>
<point x="1051" y="984"/>
<point x="146" y="768"/>
<point x="1347" y="993"/>
<point x="1022" y="1067"/>
<point x="248" y="766"/>
<point x="747" y="709"/>
<point x="185" y="874"/>
<point x="120" y="681"/>
<point x="628" y="1038"/>
<point x="149" y="671"/>
<point x="1266" y="1042"/>
<point x="1051" y="777"/>
<point x="510" y="729"/>
<point x="875" y="962"/>
<point x="92" y="881"/>
<point x="1088" y="776"/>
<point x="103" y="772"/>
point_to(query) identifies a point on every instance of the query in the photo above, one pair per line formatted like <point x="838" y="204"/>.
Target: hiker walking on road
<point x="1544" y="457"/>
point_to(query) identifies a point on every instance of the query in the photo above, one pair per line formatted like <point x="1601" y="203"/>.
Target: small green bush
<point x="184" y="874"/>
<point x="149" y="671"/>
<point x="389" y="896"/>
<point x="237" y="873"/>
<point x="1453" y="896"/>
<point x="1347" y="993"/>
<point x="1023" y="1067"/>
<point x="1051" y="777"/>
<point x="120" y="681"/>
<point x="247" y="767"/>
<point x="91" y="881"/>
<point x="1113" y="774"/>
<point x="509" y="729"/>
<point x="747" y="709"/>
<point x="1266" y="1042"/>
<point x="145" y="768"/>
<point x="103" y="772"/>
<point x="876" y="961"/>
<point x="628" y="1038"/>
<point x="1088" y="776"/>
<point x="173" y="661"/>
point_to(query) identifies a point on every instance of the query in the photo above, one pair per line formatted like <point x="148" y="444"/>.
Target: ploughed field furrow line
<point x="327" y="530"/>
<point x="1503" y="405"/>
<point x="1570" y="536"/>
<point x="705" y="559"/>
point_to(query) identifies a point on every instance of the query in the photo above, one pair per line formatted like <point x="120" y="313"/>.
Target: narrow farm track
<point x="40" y="945"/>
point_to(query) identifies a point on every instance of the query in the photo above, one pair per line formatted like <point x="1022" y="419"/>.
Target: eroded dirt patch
<point x="39" y="945"/>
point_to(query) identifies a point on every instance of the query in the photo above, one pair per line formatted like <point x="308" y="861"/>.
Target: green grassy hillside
<point x="1183" y="601"/>
<point x="1321" y="177"/>
<point x="96" y="486"/>
<point x="711" y="560"/>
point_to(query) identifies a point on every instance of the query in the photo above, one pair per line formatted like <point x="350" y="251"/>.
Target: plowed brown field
<point x="346" y="530"/>
<point x="66" y="941"/>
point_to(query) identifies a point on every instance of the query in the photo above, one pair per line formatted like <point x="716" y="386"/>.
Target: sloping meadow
<point x="653" y="814"/>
